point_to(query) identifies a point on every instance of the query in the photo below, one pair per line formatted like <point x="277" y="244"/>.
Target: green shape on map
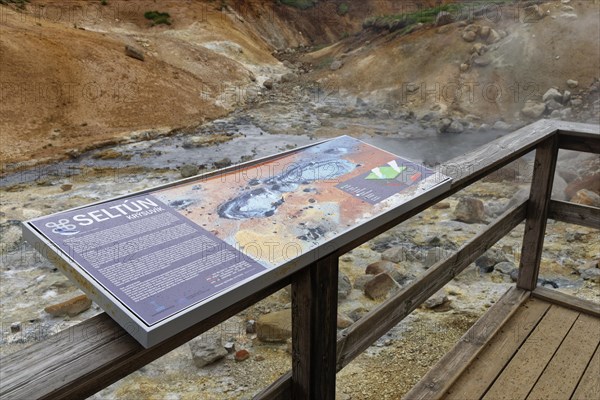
<point x="386" y="173"/>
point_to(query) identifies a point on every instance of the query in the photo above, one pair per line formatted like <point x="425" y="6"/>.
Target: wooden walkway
<point x="546" y="346"/>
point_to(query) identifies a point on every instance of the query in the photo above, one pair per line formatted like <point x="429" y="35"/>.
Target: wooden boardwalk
<point x="546" y="346"/>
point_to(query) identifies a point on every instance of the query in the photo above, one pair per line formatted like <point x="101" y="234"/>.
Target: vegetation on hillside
<point x="158" y="18"/>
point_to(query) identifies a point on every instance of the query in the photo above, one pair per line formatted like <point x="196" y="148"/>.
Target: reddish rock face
<point x="590" y="182"/>
<point x="586" y="197"/>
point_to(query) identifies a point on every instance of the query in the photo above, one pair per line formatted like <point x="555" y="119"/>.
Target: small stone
<point x="268" y="84"/>
<point x="133" y="52"/>
<point x="335" y="65"/>
<point x="15" y="327"/>
<point x="66" y="187"/>
<point x="469" y="36"/>
<point x="242" y="355"/>
<point x="482" y="61"/>
<point x="188" y="170"/>
<point x="223" y="163"/>
<point x="388" y="267"/>
<point x="443" y="18"/>
<point x="206" y="349"/>
<point x="479" y="48"/>
<point x="380" y="286"/>
<point x="251" y="326"/>
<point x="71" y="307"/>
<point x="572" y="83"/>
<point x="436" y="300"/>
<point x="506" y="267"/>
<point x="469" y="210"/>
<point x="343" y="321"/>
<point x="489" y="259"/>
<point x="275" y="326"/>
<point x="533" y="109"/>
<point x="552" y="94"/>
<point x="290" y="76"/>
<point x="586" y="197"/>
<point x="464" y="67"/>
<point x="229" y="347"/>
<point x="591" y="274"/>
<point x="344" y="286"/>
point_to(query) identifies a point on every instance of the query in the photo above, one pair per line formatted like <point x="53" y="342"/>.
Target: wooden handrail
<point x="92" y="355"/>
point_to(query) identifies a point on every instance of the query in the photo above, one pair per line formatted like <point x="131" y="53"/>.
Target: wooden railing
<point x="90" y="356"/>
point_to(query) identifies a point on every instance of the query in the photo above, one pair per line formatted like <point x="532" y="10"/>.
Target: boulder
<point x="552" y="94"/>
<point x="591" y="274"/>
<point x="443" y="18"/>
<point x="380" y="286"/>
<point x="444" y="124"/>
<point x="361" y="281"/>
<point x="493" y="37"/>
<point x="533" y="13"/>
<point x="489" y="259"/>
<point x="388" y="267"/>
<point x="436" y="300"/>
<point x="290" y="76"/>
<point x="479" y="48"/>
<point x="207" y="349"/>
<point x="134" y="52"/>
<point x="268" y="84"/>
<point x="502" y="126"/>
<point x="275" y="326"/>
<point x="485" y="32"/>
<point x="455" y="127"/>
<point x="566" y="97"/>
<point x="335" y="65"/>
<point x="469" y="36"/>
<point x="188" y="170"/>
<point x="553" y="105"/>
<point x="343" y="321"/>
<point x="398" y="254"/>
<point x="586" y="197"/>
<point x="344" y="286"/>
<point x="482" y="61"/>
<point x="533" y="109"/>
<point x="571" y="83"/>
<point x="590" y="182"/>
<point x="469" y="210"/>
<point x="71" y="307"/>
<point x="223" y="163"/>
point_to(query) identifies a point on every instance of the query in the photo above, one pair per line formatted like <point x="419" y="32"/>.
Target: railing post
<point x="314" y="331"/>
<point x="537" y="212"/>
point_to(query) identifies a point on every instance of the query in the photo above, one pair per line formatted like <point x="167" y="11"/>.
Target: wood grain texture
<point x="572" y="213"/>
<point x="376" y="323"/>
<point x="555" y="297"/>
<point x="90" y="356"/>
<point x="586" y="145"/>
<point x="521" y="374"/>
<point x="537" y="213"/>
<point x="435" y="383"/>
<point x="589" y="385"/>
<point x="560" y="378"/>
<point x="487" y="365"/>
<point x="314" y="330"/>
<point x="281" y="389"/>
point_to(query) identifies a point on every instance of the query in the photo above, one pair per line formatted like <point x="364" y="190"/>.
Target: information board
<point x="164" y="259"/>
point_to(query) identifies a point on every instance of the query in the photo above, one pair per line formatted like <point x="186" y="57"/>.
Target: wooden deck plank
<point x="437" y="380"/>
<point x="519" y="376"/>
<point x="481" y="373"/>
<point x="555" y="297"/>
<point x="589" y="386"/>
<point x="561" y="376"/>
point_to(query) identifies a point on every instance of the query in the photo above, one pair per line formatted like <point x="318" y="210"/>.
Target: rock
<point x="443" y="29"/>
<point x="343" y="321"/>
<point x="389" y="267"/>
<point x="436" y="300"/>
<point x="229" y="347"/>
<point x="268" y="84"/>
<point x="479" y="48"/>
<point x="553" y="105"/>
<point x="558" y="188"/>
<point x="502" y="126"/>
<point x="290" y="76"/>
<point x="251" y="326"/>
<point x="469" y="36"/>
<point x="533" y="109"/>
<point x="566" y="97"/>
<point x="15" y="327"/>
<point x="489" y="259"/>
<point x="344" y="286"/>
<point x="590" y="182"/>
<point x="361" y="281"/>
<point x="71" y="307"/>
<point x="66" y="187"/>
<point x="188" y="170"/>
<point x="455" y="127"/>
<point x="506" y="267"/>
<point x="469" y="210"/>
<point x="464" y="67"/>
<point x="485" y="32"/>
<point x="482" y="61"/>
<point x="586" y="197"/>
<point x="443" y="18"/>
<point x="241" y="355"/>
<point x="552" y="94"/>
<point x="380" y="286"/>
<point x="335" y="65"/>
<point x="568" y="15"/>
<point x="206" y="349"/>
<point x="442" y="205"/>
<point x="493" y="37"/>
<point x="591" y="274"/>
<point x="223" y="163"/>
<point x="572" y="83"/>
<point x="275" y="326"/>
<point x="398" y="254"/>
<point x="133" y="52"/>
<point x="514" y="274"/>
<point x="444" y="124"/>
<point x="358" y="313"/>
<point x="533" y="13"/>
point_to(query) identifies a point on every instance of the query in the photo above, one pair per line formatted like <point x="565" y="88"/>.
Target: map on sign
<point x="177" y="248"/>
